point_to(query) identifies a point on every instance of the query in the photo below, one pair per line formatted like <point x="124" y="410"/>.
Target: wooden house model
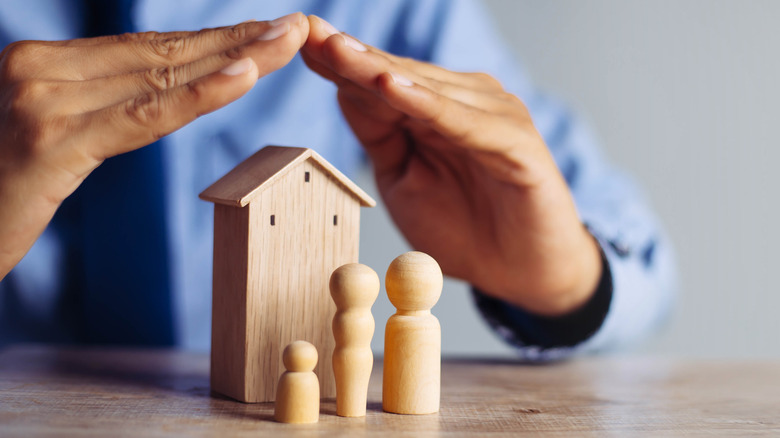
<point x="284" y="220"/>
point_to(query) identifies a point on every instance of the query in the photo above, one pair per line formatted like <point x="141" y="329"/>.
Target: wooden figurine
<point x="412" y="365"/>
<point x="354" y="288"/>
<point x="298" y="392"/>
<point x="284" y="219"/>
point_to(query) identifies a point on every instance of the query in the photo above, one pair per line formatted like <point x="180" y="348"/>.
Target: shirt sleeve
<point x="637" y="288"/>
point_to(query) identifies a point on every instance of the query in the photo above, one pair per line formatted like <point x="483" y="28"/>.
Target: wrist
<point x="556" y="287"/>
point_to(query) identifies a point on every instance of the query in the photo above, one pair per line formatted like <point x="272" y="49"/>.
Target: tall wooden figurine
<point x="284" y="219"/>
<point x="354" y="288"/>
<point x="411" y="381"/>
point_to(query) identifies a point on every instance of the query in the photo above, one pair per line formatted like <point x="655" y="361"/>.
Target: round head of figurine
<point x="414" y="281"/>
<point x="354" y="285"/>
<point x="300" y="356"/>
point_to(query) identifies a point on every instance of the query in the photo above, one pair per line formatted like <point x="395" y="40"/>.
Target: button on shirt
<point x="294" y="106"/>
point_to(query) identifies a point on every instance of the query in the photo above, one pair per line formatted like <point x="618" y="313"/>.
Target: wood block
<point x="411" y="381"/>
<point x="274" y="250"/>
<point x="298" y="392"/>
<point x="354" y="288"/>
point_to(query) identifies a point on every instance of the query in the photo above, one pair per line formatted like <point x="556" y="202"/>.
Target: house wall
<point x="290" y="263"/>
<point x="228" y="330"/>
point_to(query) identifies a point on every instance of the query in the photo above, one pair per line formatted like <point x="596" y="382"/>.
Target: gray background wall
<point x="684" y="95"/>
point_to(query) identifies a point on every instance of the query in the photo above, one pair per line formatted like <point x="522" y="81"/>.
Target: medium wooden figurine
<point x="284" y="219"/>
<point x="298" y="392"/>
<point x="411" y="381"/>
<point x="354" y="288"/>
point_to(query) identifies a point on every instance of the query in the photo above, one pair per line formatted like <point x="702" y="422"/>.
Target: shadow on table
<point x="173" y="379"/>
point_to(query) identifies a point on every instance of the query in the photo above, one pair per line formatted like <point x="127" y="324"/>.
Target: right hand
<point x="66" y="106"/>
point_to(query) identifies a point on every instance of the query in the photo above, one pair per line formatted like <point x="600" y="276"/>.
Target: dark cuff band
<point x="522" y="329"/>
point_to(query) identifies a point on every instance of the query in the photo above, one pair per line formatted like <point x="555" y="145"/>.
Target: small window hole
<point x="273" y="219"/>
<point x="335" y="219"/>
<point x="307" y="177"/>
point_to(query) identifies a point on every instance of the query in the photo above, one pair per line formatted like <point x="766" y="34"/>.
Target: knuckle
<point x="234" y="34"/>
<point x="161" y="78"/>
<point x="519" y="107"/>
<point x="136" y="36"/>
<point x="235" y="53"/>
<point x="28" y="91"/>
<point x="196" y="91"/>
<point x="511" y="99"/>
<point x="23" y="96"/>
<point x="169" y="48"/>
<point x="17" y="57"/>
<point x="488" y="81"/>
<point x="404" y="61"/>
<point x="145" y="110"/>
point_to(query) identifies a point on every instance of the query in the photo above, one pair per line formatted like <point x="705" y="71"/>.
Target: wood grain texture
<point x="298" y="391"/>
<point x="411" y="382"/>
<point x="97" y="392"/>
<point x="354" y="288"/>
<point x="273" y="256"/>
<point x="228" y="304"/>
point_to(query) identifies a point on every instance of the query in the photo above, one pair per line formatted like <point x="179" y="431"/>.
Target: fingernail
<point x="401" y="80"/>
<point x="274" y="32"/>
<point x="238" y="67"/>
<point x="353" y="44"/>
<point x="293" y="18"/>
<point x="327" y="27"/>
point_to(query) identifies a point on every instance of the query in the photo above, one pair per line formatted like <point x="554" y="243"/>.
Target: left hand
<point x="464" y="173"/>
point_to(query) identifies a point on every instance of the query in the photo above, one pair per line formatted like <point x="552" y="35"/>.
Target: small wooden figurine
<point x="412" y="365"/>
<point x="298" y="392"/>
<point x="284" y="219"/>
<point x="354" y="288"/>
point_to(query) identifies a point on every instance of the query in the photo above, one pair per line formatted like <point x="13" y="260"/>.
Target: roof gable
<point x="258" y="172"/>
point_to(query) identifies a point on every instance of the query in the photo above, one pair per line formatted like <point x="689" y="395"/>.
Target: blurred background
<point x="683" y="96"/>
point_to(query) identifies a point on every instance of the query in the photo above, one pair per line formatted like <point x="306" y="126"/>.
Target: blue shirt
<point x="294" y="106"/>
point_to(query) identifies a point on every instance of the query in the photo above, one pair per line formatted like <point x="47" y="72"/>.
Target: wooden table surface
<point x="46" y="391"/>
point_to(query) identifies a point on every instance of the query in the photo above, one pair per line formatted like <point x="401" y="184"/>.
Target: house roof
<point x="253" y="175"/>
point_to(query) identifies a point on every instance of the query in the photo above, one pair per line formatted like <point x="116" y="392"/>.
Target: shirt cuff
<point x="542" y="338"/>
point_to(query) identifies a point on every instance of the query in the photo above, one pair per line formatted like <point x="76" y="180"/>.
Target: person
<point x="104" y="240"/>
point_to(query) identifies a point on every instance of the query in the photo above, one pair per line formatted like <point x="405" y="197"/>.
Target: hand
<point x="464" y="173"/>
<point x="65" y="106"/>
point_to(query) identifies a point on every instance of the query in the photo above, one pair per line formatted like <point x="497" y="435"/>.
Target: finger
<point x="489" y="101"/>
<point x="98" y="93"/>
<point x="93" y="61"/>
<point x="316" y="47"/>
<point x="375" y="123"/>
<point x="463" y="125"/>
<point x="322" y="70"/>
<point x="144" y="55"/>
<point x="337" y="58"/>
<point x="137" y="122"/>
<point x="378" y="129"/>
<point x="351" y="62"/>
<point x="134" y="37"/>
<point x="475" y="81"/>
<point x="127" y="38"/>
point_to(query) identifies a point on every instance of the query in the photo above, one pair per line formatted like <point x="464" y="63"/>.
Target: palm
<point x="447" y="203"/>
